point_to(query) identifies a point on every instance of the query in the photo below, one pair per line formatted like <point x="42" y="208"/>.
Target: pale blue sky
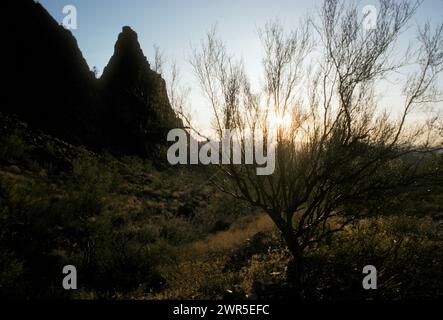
<point x="175" y="24"/>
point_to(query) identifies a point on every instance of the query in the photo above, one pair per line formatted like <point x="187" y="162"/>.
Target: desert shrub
<point x="47" y="224"/>
<point x="31" y="233"/>
<point x="12" y="147"/>
<point x="405" y="251"/>
<point x="119" y="263"/>
<point x="114" y="254"/>
<point x="197" y="278"/>
<point x="135" y="165"/>
<point x="176" y="230"/>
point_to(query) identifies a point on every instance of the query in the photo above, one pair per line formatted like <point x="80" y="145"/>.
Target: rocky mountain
<point x="138" y="109"/>
<point x="49" y="85"/>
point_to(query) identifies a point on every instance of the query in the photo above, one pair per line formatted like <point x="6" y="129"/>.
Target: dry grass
<point x="405" y="251"/>
<point x="200" y="272"/>
<point x="232" y="238"/>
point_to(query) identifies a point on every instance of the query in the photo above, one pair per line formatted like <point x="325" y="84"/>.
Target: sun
<point x="279" y="121"/>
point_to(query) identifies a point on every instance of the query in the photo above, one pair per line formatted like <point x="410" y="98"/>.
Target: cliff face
<point x="49" y="85"/>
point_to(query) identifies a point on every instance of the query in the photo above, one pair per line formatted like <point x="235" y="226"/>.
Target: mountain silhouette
<point x="49" y="85"/>
<point x="136" y="98"/>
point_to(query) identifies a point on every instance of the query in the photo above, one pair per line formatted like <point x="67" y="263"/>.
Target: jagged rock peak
<point x="128" y="61"/>
<point x="127" y="31"/>
<point x="127" y="38"/>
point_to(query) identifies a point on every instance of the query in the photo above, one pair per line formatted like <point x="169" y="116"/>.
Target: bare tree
<point x="178" y="94"/>
<point x="341" y="152"/>
<point x="159" y="59"/>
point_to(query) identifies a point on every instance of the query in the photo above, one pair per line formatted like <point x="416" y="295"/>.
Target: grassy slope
<point x="135" y="231"/>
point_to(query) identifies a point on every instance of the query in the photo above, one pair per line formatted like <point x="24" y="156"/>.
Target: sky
<point x="176" y="25"/>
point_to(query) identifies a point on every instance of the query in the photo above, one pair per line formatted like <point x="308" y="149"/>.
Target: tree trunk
<point x="296" y="269"/>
